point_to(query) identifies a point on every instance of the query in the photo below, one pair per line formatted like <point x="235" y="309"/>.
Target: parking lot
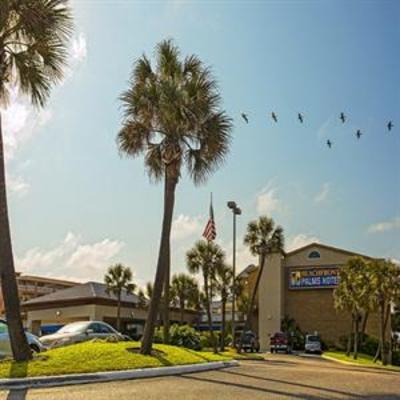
<point x="278" y="377"/>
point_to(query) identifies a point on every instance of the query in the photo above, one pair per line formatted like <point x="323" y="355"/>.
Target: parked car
<point x="5" y="345"/>
<point x="248" y="341"/>
<point x="313" y="344"/>
<point x="77" y="332"/>
<point x="280" y="342"/>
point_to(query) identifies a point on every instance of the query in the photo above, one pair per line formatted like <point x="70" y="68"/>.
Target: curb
<point x="77" y="379"/>
<point x="367" y="367"/>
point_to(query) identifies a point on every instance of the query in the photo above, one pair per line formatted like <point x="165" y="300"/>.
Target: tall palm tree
<point x="184" y="287"/>
<point x="224" y="276"/>
<point x="262" y="238"/>
<point x="206" y="257"/>
<point x="33" y="50"/>
<point x="172" y="116"/>
<point x="119" y="279"/>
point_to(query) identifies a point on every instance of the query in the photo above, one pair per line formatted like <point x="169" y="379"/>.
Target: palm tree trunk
<point x="384" y="351"/>
<point x="247" y="324"/>
<point x="162" y="263"/>
<point x="364" y="326"/>
<point x="166" y="323"/>
<point x="209" y="317"/>
<point x="119" y="313"/>
<point x="19" y="344"/>
<point x="348" y="349"/>
<point x="356" y="324"/>
<point x="182" y="309"/>
<point x="223" y="325"/>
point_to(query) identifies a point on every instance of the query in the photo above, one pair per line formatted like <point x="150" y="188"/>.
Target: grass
<point x="362" y="360"/>
<point x="102" y="356"/>
<point x="232" y="353"/>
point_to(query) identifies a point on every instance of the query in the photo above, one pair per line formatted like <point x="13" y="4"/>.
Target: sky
<point x="78" y="206"/>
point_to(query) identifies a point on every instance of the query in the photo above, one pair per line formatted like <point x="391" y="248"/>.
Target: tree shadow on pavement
<point x="256" y="388"/>
<point x="302" y="385"/>
<point x="17" y="394"/>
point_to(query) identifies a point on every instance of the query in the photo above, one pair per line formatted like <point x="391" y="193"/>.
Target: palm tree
<point x="385" y="286"/>
<point x="207" y="258"/>
<point x="33" y="43"/>
<point x="142" y="299"/>
<point x="184" y="287"/>
<point x="172" y="116"/>
<point x="119" y="279"/>
<point x="262" y="238"/>
<point x="224" y="275"/>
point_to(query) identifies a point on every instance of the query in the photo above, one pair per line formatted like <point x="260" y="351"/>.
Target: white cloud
<point x="300" y="240"/>
<point x="20" y="119"/>
<point x="71" y="259"/>
<point x="79" y="48"/>
<point x="381" y="227"/>
<point x="185" y="227"/>
<point x="17" y="185"/>
<point x="267" y="201"/>
<point x="323" y="193"/>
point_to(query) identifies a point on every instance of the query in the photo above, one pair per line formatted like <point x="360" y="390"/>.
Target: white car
<point x="5" y="345"/>
<point x="77" y="332"/>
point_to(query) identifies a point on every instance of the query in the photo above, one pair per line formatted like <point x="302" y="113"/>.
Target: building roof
<point x="90" y="292"/>
<point x="249" y="269"/>
<point x="317" y="244"/>
<point x="45" y="279"/>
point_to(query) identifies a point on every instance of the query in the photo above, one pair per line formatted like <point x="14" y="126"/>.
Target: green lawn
<point x="232" y="353"/>
<point x="101" y="356"/>
<point x="362" y="360"/>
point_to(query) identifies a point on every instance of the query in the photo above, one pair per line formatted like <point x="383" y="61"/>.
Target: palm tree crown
<point x="33" y="46"/>
<point x="172" y="115"/>
<point x="262" y="237"/>
<point x="118" y="279"/>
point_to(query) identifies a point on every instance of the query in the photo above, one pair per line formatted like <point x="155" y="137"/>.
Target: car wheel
<point x="34" y="348"/>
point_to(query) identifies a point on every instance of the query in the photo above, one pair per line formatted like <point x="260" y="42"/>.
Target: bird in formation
<point x="300" y="117"/>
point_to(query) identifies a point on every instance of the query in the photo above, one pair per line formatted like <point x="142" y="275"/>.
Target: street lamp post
<point x="235" y="211"/>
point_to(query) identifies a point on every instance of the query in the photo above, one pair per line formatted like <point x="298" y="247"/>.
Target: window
<point x="314" y="254"/>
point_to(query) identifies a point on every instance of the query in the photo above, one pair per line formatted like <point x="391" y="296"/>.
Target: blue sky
<point x="77" y="206"/>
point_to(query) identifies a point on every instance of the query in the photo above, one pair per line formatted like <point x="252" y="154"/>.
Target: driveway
<point x="279" y="377"/>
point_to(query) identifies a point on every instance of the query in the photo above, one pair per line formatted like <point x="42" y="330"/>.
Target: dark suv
<point x="248" y="341"/>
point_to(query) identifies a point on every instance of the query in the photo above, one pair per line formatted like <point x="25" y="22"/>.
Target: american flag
<point x="210" y="232"/>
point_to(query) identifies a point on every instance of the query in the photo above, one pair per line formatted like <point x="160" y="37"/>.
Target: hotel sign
<point x="311" y="278"/>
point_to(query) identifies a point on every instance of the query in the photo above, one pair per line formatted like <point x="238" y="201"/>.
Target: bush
<point x="369" y="345"/>
<point x="180" y="335"/>
<point x="396" y="358"/>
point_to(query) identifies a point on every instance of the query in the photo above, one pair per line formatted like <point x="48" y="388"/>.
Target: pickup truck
<point x="280" y="342"/>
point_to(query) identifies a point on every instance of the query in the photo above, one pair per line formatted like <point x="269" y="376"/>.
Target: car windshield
<point x="313" y="339"/>
<point x="76" y="327"/>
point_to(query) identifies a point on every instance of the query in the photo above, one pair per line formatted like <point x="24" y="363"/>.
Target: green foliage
<point x="182" y="336"/>
<point x="172" y="116"/>
<point x="118" y="278"/>
<point x="34" y="38"/>
<point x="369" y="345"/>
<point x="102" y="356"/>
<point x="292" y="329"/>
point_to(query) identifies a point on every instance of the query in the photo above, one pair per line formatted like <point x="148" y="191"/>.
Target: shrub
<point x="396" y="358"/>
<point x="370" y="345"/>
<point x="180" y="335"/>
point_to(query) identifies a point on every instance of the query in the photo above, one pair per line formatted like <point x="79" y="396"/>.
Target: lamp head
<point x="231" y="205"/>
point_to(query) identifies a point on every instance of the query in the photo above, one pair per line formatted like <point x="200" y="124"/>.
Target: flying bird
<point x="245" y="117"/>
<point x="342" y="117"/>
<point x="358" y="134"/>
<point x="390" y="125"/>
<point x="300" y="117"/>
<point x="274" y="117"/>
<point x="329" y="143"/>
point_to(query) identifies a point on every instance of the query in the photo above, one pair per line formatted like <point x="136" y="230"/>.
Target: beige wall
<point x="270" y="299"/>
<point x="93" y="312"/>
